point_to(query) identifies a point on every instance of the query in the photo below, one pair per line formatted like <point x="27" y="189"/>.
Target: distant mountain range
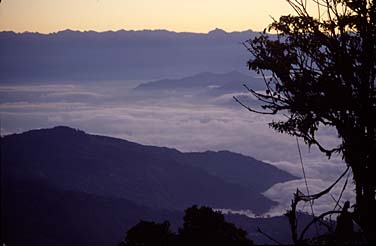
<point x="63" y="181"/>
<point x="122" y="55"/>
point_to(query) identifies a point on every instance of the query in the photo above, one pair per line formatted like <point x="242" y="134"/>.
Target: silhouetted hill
<point x="151" y="176"/>
<point x="238" y="169"/>
<point x="277" y="227"/>
<point x="62" y="186"/>
<point x="226" y="82"/>
<point x="202" y="86"/>
<point x="73" y="55"/>
<point x="38" y="214"/>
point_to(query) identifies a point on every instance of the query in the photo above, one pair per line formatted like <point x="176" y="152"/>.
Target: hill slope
<point x="225" y="82"/>
<point x="202" y="86"/>
<point x="152" y="176"/>
<point x="36" y="213"/>
<point x="65" y="187"/>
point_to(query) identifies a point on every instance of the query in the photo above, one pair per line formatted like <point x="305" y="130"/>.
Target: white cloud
<point x="283" y="194"/>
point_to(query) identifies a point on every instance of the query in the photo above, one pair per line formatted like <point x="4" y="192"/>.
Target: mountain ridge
<point x="122" y="55"/>
<point x="64" y="186"/>
<point x="68" y="30"/>
<point x="144" y="174"/>
<point x="39" y="214"/>
<point x="198" y="86"/>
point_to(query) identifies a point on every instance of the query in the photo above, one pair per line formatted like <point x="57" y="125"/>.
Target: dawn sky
<point x="47" y="16"/>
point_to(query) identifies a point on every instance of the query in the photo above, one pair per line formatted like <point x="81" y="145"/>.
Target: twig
<point x="250" y="109"/>
<point x="267" y="236"/>
<point x="314" y="221"/>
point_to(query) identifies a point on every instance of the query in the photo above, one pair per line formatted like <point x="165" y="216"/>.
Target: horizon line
<point x="129" y="30"/>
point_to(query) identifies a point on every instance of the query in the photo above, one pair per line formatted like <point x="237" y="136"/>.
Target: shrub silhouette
<point x="202" y="226"/>
<point x="149" y="233"/>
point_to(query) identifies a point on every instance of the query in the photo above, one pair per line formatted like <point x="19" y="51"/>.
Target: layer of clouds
<point x="185" y="123"/>
<point x="279" y="193"/>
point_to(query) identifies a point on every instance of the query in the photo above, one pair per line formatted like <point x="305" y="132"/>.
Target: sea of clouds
<point x="185" y="122"/>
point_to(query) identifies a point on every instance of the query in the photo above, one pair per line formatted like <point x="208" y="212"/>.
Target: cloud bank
<point x="187" y="124"/>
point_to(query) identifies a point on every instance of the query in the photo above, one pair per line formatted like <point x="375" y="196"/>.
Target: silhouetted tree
<point x="147" y="233"/>
<point x="203" y="226"/>
<point x="322" y="67"/>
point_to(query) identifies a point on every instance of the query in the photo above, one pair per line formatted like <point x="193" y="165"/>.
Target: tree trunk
<point x="365" y="212"/>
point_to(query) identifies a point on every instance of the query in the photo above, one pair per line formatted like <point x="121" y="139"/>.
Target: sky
<point x="46" y="16"/>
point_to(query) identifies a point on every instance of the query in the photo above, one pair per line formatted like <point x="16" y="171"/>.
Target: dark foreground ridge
<point x="62" y="181"/>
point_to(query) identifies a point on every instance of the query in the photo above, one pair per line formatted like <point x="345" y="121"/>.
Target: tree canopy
<point x="202" y="226"/>
<point x="319" y="67"/>
<point x="149" y="233"/>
